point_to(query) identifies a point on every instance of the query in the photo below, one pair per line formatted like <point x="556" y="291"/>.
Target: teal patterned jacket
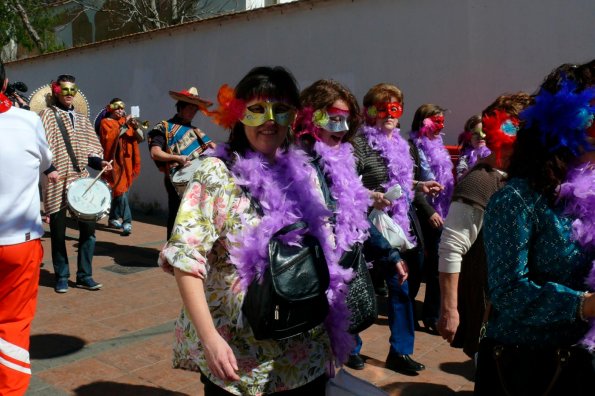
<point x="536" y="273"/>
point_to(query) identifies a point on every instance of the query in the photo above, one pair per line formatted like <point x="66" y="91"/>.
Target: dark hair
<point x="114" y="100"/>
<point x="65" y="78"/>
<point x="2" y="74"/>
<point x="424" y="111"/>
<point x="464" y="139"/>
<point x="546" y="169"/>
<point x="264" y="81"/>
<point x="323" y="93"/>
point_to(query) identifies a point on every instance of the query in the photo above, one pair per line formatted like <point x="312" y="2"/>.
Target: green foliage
<point x="12" y="25"/>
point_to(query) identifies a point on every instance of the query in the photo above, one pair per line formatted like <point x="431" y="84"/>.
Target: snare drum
<point x="180" y="177"/>
<point x="91" y="205"/>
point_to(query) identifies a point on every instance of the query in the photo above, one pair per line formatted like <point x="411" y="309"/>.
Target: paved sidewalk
<point x="117" y="341"/>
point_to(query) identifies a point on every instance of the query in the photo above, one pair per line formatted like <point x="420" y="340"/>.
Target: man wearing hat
<point x="74" y="145"/>
<point x="176" y="142"/>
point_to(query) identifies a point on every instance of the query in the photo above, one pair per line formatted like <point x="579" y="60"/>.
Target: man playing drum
<point x="74" y="145"/>
<point x="176" y="142"/>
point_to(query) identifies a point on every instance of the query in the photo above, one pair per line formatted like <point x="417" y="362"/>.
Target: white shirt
<point x="24" y="153"/>
<point x="461" y="227"/>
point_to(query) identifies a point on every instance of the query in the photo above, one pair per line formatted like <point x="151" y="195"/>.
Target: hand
<point x="379" y="202"/>
<point x="402" y="271"/>
<point x="430" y="187"/>
<point x="448" y="324"/>
<point x="53" y="176"/>
<point x="220" y="358"/>
<point x="182" y="160"/>
<point x="436" y="221"/>
<point x="212" y="145"/>
<point x="107" y="165"/>
<point x="589" y="306"/>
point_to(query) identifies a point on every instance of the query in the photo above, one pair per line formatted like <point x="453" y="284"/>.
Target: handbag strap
<point x="298" y="225"/>
<point x="66" y="138"/>
<point x="562" y="358"/>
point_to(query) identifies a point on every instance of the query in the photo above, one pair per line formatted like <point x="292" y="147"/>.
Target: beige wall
<point x="459" y="54"/>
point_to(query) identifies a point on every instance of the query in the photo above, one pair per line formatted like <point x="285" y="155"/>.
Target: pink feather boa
<point x="578" y="195"/>
<point x="282" y="191"/>
<point x="399" y="165"/>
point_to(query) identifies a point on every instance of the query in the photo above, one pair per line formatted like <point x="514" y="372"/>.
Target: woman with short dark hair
<point x="252" y="187"/>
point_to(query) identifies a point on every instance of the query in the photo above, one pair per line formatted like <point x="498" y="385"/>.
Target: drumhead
<point x="94" y="203"/>
<point x="184" y="175"/>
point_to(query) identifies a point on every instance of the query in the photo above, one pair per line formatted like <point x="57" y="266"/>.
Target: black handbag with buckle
<point x="290" y="298"/>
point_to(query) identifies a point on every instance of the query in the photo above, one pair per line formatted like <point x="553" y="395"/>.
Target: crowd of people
<point x="310" y="184"/>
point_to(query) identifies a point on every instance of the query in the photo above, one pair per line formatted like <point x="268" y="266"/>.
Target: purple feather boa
<point x="441" y="165"/>
<point x="353" y="199"/>
<point x="475" y="154"/>
<point x="281" y="189"/>
<point x="399" y="165"/>
<point x="578" y="195"/>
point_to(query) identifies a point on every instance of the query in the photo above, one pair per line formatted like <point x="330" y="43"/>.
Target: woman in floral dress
<point x="219" y="245"/>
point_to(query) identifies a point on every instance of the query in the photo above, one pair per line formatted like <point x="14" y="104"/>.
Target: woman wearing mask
<point x="219" y="246"/>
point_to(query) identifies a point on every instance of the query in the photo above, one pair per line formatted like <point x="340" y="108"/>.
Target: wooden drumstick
<point x="96" y="178"/>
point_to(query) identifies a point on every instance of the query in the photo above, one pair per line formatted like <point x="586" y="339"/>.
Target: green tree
<point x="26" y="23"/>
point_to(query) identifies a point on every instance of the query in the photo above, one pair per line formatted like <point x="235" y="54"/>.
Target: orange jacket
<point x="123" y="150"/>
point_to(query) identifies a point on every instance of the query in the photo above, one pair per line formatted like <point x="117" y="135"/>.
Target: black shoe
<point x="355" y="362"/>
<point x="403" y="364"/>
<point x="431" y="326"/>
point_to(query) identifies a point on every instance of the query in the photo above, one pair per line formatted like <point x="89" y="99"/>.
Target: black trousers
<point x="173" y="204"/>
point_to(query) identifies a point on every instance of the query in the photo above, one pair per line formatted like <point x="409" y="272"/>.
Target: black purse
<point x="290" y="298"/>
<point x="361" y="298"/>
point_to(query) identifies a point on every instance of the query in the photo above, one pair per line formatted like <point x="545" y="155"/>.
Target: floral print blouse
<point x="212" y="210"/>
<point x="536" y="273"/>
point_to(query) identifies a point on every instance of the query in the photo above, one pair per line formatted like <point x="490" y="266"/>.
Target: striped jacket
<point x="84" y="142"/>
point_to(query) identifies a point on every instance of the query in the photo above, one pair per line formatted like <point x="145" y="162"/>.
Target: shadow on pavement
<point x="464" y="369"/>
<point x="48" y="346"/>
<point x="418" y="389"/>
<point x="114" y="388"/>
<point x="128" y="256"/>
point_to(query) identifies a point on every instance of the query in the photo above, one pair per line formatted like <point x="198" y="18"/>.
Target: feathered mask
<point x="306" y="120"/>
<point x="562" y="118"/>
<point x="230" y="109"/>
<point x="430" y="126"/>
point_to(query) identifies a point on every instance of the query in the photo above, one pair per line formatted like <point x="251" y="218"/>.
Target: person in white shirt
<point x="24" y="152"/>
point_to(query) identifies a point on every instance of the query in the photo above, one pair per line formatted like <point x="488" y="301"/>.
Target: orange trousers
<point x="19" y="279"/>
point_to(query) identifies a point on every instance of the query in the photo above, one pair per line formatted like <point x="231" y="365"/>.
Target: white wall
<point x="460" y="54"/>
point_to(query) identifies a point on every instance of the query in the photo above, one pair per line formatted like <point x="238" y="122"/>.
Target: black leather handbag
<point x="290" y="298"/>
<point x="361" y="298"/>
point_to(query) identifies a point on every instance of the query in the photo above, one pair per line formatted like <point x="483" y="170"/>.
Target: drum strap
<point x="66" y="138"/>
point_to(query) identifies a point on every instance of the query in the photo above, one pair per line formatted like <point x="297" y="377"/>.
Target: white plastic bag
<point x="346" y="384"/>
<point x="393" y="232"/>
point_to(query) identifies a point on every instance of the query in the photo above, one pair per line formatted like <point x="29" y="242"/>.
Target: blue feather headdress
<point x="562" y="118"/>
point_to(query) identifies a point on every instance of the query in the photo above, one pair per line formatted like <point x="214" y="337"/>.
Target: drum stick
<point x="96" y="178"/>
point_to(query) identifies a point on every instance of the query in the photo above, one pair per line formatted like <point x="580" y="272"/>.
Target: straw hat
<point x="42" y="97"/>
<point x="191" y="96"/>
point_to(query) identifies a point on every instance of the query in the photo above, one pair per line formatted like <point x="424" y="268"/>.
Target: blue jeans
<point x="400" y="316"/>
<point x="59" y="254"/>
<point x="121" y="209"/>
